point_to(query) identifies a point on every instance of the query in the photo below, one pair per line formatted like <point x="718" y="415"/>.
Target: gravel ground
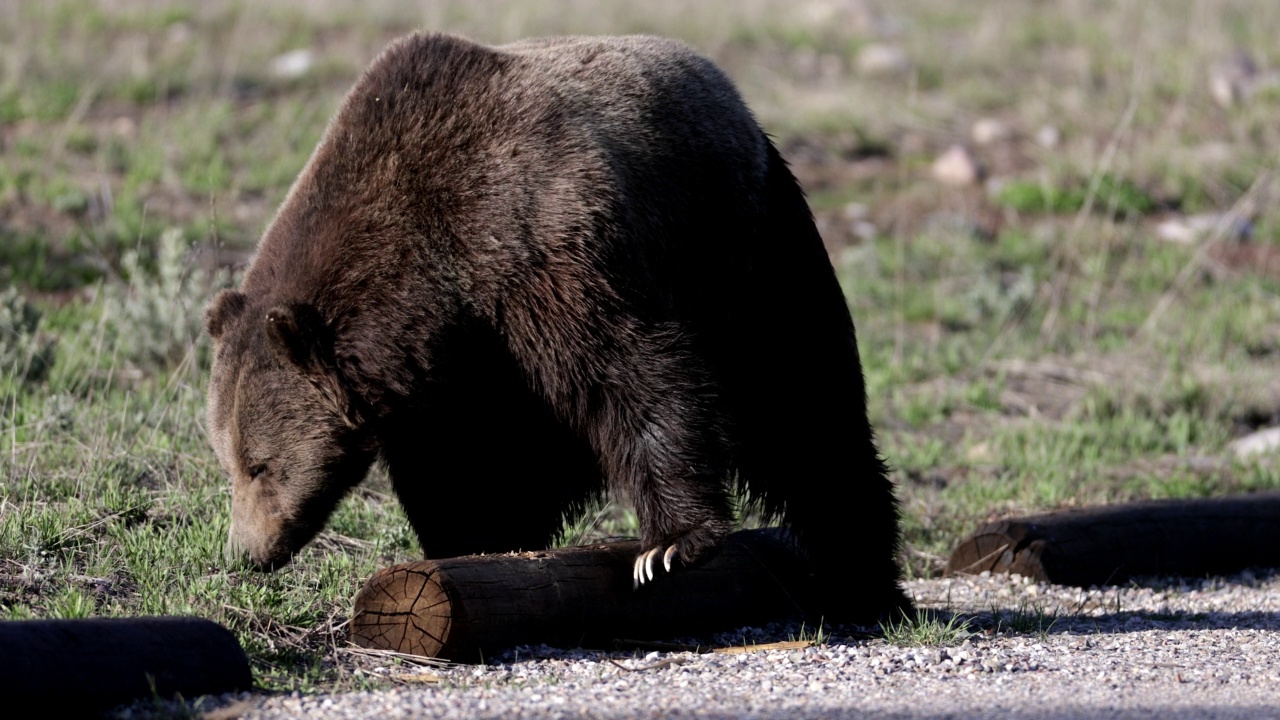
<point x="1186" y="649"/>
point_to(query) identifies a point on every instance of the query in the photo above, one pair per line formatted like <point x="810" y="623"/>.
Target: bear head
<point x="282" y="423"/>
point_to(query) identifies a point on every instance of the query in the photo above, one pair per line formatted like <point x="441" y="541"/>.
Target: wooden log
<point x="464" y="608"/>
<point x="1109" y="545"/>
<point x="97" y="663"/>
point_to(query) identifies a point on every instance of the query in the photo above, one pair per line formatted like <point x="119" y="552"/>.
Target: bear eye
<point x="257" y="471"/>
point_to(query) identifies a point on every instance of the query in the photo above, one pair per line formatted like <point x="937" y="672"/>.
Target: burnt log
<point x="467" y="607"/>
<point x="97" y="663"/>
<point x="1110" y="545"/>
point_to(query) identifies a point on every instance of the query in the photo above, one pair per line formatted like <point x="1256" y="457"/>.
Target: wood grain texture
<point x="1109" y="545"/>
<point x="463" y="608"/>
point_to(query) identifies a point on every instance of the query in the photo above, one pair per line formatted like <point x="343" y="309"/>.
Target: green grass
<point x="815" y="636"/>
<point x="927" y="629"/>
<point x="1021" y="353"/>
<point x="1025" y="619"/>
<point x="1109" y="194"/>
<point x="111" y="504"/>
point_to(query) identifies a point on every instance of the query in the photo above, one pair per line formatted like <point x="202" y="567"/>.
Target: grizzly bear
<point x="518" y="275"/>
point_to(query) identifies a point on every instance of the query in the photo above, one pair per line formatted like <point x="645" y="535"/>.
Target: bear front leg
<point x="650" y="409"/>
<point x="664" y="445"/>
<point x="685" y="519"/>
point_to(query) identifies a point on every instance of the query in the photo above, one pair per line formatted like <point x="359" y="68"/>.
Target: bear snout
<point x="246" y="549"/>
<point x="234" y="552"/>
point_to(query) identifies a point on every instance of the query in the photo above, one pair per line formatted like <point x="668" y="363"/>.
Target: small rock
<point x="1177" y="230"/>
<point x="1262" y="441"/>
<point x="1048" y="137"/>
<point x="124" y="127"/>
<point x="293" y="64"/>
<point x="863" y="230"/>
<point x="856" y="17"/>
<point x="990" y="130"/>
<point x="1229" y="79"/>
<point x="1185" y="230"/>
<point x="882" y="59"/>
<point x="178" y="33"/>
<point x="993" y="186"/>
<point x="957" y="166"/>
<point x="856" y="211"/>
<point x="979" y="452"/>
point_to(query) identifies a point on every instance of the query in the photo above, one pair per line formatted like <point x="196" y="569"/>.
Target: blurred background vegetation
<point x="1057" y="225"/>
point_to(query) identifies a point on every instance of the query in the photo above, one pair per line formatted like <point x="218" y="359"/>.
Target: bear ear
<point x="226" y="306"/>
<point x="300" y="337"/>
<point x="296" y="332"/>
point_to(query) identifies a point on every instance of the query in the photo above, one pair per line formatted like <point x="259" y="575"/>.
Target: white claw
<point x="642" y="570"/>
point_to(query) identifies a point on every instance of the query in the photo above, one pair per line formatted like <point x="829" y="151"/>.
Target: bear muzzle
<point x="240" y="550"/>
<point x="234" y="552"/>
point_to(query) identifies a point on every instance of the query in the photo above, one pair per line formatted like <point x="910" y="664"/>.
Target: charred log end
<point x="80" y="666"/>
<point x="1109" y="545"/>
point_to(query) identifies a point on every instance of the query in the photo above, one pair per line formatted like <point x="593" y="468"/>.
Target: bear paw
<point x="643" y="569"/>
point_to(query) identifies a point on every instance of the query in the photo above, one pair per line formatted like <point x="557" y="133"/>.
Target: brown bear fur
<point x="514" y="274"/>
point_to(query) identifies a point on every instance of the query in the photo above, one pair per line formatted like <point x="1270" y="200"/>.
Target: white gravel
<point x="1185" y="649"/>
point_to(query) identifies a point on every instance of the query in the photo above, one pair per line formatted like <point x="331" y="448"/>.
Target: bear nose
<point x="234" y="552"/>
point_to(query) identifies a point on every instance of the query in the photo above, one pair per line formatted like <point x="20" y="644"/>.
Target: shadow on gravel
<point x="1117" y="622"/>
<point x="1068" y="712"/>
<point x="1141" y="621"/>
<point x="1160" y="603"/>
<point x="1005" y="621"/>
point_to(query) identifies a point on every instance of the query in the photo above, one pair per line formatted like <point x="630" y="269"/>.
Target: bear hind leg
<point x="809" y="456"/>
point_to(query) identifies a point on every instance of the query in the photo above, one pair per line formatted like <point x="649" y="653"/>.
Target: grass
<point x="1111" y="194"/>
<point x="1026" y="619"/>
<point x="1028" y="345"/>
<point x="814" y="636"/>
<point x="927" y="629"/>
